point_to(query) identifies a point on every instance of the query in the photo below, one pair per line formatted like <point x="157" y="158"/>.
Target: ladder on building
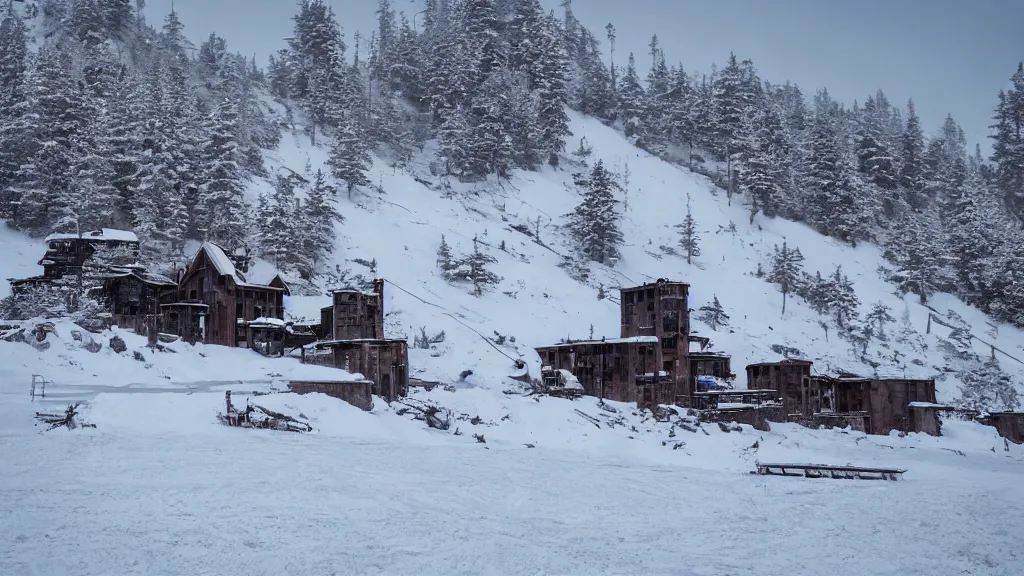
<point x="39" y="386"/>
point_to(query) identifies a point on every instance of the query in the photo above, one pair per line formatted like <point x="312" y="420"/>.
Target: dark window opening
<point x="667" y="366"/>
<point x="639" y="296"/>
<point x="627" y="298"/>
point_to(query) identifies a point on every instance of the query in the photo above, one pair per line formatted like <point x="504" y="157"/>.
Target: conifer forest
<point x="107" y="120"/>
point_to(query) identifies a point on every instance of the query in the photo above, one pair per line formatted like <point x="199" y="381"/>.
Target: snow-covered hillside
<point x="400" y="226"/>
<point x="399" y="221"/>
<point x="626" y="495"/>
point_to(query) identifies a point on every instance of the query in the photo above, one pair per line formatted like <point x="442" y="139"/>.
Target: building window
<point x="639" y="296"/>
<point x="670" y="321"/>
<point x="669" y="343"/>
<point x="627" y="298"/>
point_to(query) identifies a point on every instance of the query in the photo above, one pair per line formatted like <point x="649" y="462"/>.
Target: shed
<point x="358" y="393"/>
<point x="1010" y="425"/>
<point x="266" y="336"/>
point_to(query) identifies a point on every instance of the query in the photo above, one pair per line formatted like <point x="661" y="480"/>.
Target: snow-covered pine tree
<point x="689" y="240"/>
<point x="474" y="268"/>
<point x="713" y="314"/>
<point x="984" y="386"/>
<point x="446" y="261"/>
<point x="16" y="142"/>
<point x="318" y="217"/>
<point x="221" y="209"/>
<point x="1008" y="144"/>
<point x="594" y="224"/>
<point x="454" y="136"/>
<point x="921" y="265"/>
<point x="844" y="302"/>
<point x="879" y="316"/>
<point x="350" y="159"/>
<point x="630" y="98"/>
<point x="279" y="227"/>
<point x="785" y="271"/>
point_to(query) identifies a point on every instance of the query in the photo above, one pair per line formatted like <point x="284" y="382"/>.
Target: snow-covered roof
<point x="630" y="340"/>
<point x="930" y="405"/>
<point x="105" y="235"/>
<point x="263" y="321"/>
<point x="221" y="261"/>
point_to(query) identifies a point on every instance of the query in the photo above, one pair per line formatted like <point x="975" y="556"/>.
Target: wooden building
<point x="713" y="364"/>
<point x="355" y="314"/>
<point x="134" y="299"/>
<point x="661" y="310"/>
<point x="882" y="404"/>
<point x="184" y="319"/>
<point x="231" y="301"/>
<point x="354" y="327"/>
<point x="787" y="377"/>
<point x="1010" y="425"/>
<point x="383" y="362"/>
<point x="69" y="254"/>
<point x="97" y="254"/>
<point x="619" y="369"/>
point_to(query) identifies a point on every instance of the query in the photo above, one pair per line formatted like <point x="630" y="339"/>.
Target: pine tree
<point x="350" y="159"/>
<point x="912" y="159"/>
<point x="454" y="136"/>
<point x="879" y="315"/>
<point x="921" y="266"/>
<point x="986" y="387"/>
<point x="221" y="207"/>
<point x="630" y="100"/>
<point x="549" y="82"/>
<point x="786" y="267"/>
<point x="843" y="301"/>
<point x="473" y="267"/>
<point x="689" y="241"/>
<point x="594" y="224"/>
<point x="1008" y="144"/>
<point x="446" y="261"/>
<point x="714" y="315"/>
<point x="319" y="214"/>
<point x="279" y="224"/>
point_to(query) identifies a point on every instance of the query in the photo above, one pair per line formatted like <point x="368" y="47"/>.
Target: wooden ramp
<point x="822" y="471"/>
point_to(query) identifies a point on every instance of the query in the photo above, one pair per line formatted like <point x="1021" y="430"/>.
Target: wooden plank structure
<point x="715" y="364"/>
<point x="822" y="471"/>
<point x="648" y="364"/>
<point x="213" y="280"/>
<point x="1010" y="425"/>
<point x="786" y="376"/>
<point x="607" y="368"/>
<point x="357" y="342"/>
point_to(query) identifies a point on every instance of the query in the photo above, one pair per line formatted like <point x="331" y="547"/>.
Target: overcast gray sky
<point x="951" y="56"/>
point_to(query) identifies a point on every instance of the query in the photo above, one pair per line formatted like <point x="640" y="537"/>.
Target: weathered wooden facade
<point x="134" y="299"/>
<point x="383" y="362"/>
<point x="358" y="393"/>
<point x="69" y="254"/>
<point x="184" y="319"/>
<point x="266" y="336"/>
<point x="786" y="377"/>
<point x="355" y="314"/>
<point x="212" y="279"/>
<point x="661" y="310"/>
<point x="1010" y="425"/>
<point x="710" y="364"/>
<point x="96" y="254"/>
<point x="613" y="369"/>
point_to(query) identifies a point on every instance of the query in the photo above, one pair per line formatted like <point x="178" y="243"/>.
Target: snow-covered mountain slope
<point x="548" y="490"/>
<point x="399" y="221"/>
<point x="538" y="303"/>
